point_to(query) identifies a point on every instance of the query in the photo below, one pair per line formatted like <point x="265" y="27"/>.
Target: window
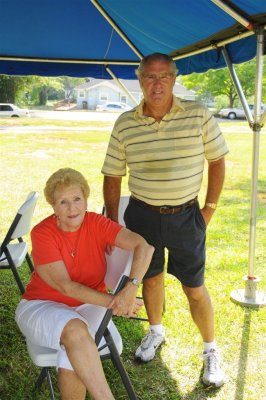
<point x="103" y="96"/>
<point x="81" y="93"/>
<point x="6" y="108"/>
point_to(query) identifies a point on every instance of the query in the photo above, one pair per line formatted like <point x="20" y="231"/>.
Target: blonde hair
<point x="65" y="177"/>
<point x="156" y="57"/>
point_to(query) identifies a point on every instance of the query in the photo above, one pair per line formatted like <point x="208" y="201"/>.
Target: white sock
<point x="159" y="329"/>
<point x="207" y="346"/>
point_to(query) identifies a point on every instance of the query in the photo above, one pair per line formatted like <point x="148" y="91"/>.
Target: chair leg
<point x="30" y="264"/>
<point x="17" y="278"/>
<point x="45" y="373"/>
<point x="115" y="357"/>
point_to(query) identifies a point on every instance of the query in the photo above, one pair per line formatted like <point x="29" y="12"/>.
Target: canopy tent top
<point x="77" y="39"/>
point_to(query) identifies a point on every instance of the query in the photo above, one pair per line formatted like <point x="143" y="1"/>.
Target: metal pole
<point x="255" y="160"/>
<point x="121" y="85"/>
<point x="238" y="86"/>
<point x="250" y="296"/>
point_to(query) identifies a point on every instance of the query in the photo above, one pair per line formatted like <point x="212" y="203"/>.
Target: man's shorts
<point x="42" y="323"/>
<point x="183" y="234"/>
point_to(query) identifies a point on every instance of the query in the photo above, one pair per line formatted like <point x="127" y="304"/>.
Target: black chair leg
<point x="30" y="264"/>
<point x="17" y="279"/>
<point x="115" y="357"/>
<point x="45" y="373"/>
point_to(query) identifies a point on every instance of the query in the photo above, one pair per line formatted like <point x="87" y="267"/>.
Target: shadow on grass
<point x="243" y="357"/>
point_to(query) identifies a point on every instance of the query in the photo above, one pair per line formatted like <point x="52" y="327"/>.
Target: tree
<point x="214" y="83"/>
<point x="11" y="87"/>
<point x="69" y="85"/>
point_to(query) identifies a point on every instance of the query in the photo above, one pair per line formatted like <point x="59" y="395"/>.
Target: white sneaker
<point x="212" y="375"/>
<point x="150" y="343"/>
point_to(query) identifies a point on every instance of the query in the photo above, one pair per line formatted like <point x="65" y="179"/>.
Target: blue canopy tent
<point x="107" y="38"/>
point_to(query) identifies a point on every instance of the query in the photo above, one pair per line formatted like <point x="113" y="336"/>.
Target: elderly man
<point x="164" y="142"/>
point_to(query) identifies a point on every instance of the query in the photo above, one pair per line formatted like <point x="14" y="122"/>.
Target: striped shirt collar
<point x="177" y="104"/>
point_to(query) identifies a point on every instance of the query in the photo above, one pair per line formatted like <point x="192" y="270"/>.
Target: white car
<point x="113" y="106"/>
<point x="10" y="110"/>
<point x="233" y="113"/>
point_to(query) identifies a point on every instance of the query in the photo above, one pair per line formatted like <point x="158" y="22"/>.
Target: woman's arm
<point x="56" y="275"/>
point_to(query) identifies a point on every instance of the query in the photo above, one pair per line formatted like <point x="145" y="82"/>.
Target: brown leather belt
<point x="167" y="209"/>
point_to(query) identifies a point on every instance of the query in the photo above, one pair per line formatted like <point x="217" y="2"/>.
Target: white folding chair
<point x="118" y="270"/>
<point x="123" y="202"/>
<point x="12" y="254"/>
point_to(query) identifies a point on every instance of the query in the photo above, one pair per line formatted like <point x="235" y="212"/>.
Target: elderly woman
<point x="68" y="250"/>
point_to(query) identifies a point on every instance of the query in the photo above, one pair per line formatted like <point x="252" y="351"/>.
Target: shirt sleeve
<point x="115" y="159"/>
<point x="45" y="246"/>
<point x="106" y="229"/>
<point x="215" y="146"/>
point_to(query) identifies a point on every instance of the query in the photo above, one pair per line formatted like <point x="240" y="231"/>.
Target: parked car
<point x="10" y="110"/>
<point x="233" y="113"/>
<point x="113" y="106"/>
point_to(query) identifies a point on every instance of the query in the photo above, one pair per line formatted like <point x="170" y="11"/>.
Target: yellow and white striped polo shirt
<point x="165" y="159"/>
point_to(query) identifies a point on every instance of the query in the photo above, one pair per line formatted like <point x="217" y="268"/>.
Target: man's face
<point x="157" y="81"/>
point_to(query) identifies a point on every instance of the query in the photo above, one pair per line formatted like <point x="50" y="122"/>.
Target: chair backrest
<point x="118" y="265"/>
<point x="118" y="269"/>
<point x="22" y="222"/>
<point x="123" y="202"/>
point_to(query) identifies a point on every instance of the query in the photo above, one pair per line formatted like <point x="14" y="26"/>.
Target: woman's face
<point x="70" y="207"/>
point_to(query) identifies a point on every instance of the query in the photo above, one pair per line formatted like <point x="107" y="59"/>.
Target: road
<point x="75" y="115"/>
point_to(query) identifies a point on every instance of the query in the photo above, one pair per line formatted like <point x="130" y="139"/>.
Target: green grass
<point x="28" y="159"/>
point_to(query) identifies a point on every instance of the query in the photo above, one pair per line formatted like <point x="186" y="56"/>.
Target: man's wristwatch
<point x="211" y="205"/>
<point x="134" y="281"/>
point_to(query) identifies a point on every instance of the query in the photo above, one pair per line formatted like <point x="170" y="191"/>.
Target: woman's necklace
<point x="72" y="248"/>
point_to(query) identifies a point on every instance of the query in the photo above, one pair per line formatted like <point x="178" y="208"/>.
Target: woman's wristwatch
<point x="134" y="281"/>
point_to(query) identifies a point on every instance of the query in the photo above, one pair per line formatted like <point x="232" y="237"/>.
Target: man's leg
<point x="202" y="314"/>
<point x="153" y="296"/>
<point x="201" y="311"/>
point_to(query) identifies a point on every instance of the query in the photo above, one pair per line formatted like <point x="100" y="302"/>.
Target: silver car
<point x="10" y="110"/>
<point x="233" y="113"/>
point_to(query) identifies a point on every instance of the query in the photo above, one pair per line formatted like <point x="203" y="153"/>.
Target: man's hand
<point x="207" y="214"/>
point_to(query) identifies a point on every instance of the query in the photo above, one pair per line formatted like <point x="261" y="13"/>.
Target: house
<point x="99" y="91"/>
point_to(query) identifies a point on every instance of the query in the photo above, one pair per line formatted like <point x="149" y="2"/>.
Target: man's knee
<point x="196" y="294"/>
<point x="154" y="282"/>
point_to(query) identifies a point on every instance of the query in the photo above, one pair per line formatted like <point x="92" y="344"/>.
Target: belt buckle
<point x="163" y="209"/>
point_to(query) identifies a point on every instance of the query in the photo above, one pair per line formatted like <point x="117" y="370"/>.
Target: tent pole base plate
<point x="238" y="296"/>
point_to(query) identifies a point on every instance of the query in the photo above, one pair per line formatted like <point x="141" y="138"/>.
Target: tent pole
<point x="229" y="10"/>
<point x="250" y="296"/>
<point x="238" y="87"/>
<point x="120" y="84"/>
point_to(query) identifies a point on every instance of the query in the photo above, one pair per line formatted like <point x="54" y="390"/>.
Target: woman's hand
<point x="125" y="303"/>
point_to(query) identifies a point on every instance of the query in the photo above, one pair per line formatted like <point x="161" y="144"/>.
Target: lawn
<point x="29" y="154"/>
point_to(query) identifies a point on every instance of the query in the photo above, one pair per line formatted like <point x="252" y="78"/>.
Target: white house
<point x="99" y="91"/>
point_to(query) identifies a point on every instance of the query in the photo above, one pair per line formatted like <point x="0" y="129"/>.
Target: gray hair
<point x="156" y="57"/>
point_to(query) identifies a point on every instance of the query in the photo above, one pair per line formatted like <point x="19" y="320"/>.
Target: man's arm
<point x="216" y="174"/>
<point x="111" y="195"/>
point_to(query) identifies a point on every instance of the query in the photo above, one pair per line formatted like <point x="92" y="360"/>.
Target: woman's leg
<point x="85" y="360"/>
<point x="70" y="386"/>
